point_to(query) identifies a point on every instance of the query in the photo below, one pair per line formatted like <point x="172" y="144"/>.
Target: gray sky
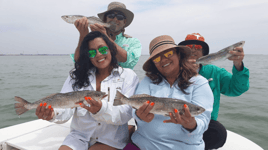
<point x="35" y="26"/>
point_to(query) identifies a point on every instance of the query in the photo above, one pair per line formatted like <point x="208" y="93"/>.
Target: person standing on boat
<point x="99" y="125"/>
<point x="170" y="75"/>
<point x="129" y="49"/>
<point x="220" y="81"/>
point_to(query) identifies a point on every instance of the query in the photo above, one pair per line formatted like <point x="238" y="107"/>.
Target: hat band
<point x="161" y="43"/>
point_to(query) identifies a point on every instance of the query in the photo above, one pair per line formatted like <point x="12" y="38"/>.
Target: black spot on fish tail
<point x="20" y="107"/>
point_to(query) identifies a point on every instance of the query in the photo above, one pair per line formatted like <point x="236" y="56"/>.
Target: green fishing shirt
<point x="133" y="48"/>
<point x="223" y="82"/>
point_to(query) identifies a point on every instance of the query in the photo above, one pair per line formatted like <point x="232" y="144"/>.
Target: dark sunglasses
<point x="118" y="16"/>
<point x="103" y="50"/>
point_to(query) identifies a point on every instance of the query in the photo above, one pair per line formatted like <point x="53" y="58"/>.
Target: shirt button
<point x="99" y="124"/>
<point x="96" y="138"/>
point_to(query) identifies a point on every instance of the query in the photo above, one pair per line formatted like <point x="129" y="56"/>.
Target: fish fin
<point x="20" y="107"/>
<point x="141" y="95"/>
<point x="118" y="98"/>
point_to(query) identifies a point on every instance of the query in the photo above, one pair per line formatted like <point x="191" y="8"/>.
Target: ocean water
<point x="34" y="77"/>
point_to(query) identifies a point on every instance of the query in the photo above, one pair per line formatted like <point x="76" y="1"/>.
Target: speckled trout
<point x="220" y="55"/>
<point x="58" y="100"/>
<point x="91" y="20"/>
<point x="162" y="106"/>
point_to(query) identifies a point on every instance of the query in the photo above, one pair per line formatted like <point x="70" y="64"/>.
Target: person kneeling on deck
<point x="99" y="125"/>
<point x="221" y="82"/>
<point x="129" y="49"/>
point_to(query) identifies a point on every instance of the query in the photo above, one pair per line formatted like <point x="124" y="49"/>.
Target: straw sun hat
<point x="163" y="43"/>
<point x="120" y="7"/>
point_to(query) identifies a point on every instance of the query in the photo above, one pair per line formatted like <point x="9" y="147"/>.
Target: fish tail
<point x="118" y="98"/>
<point x="20" y="107"/>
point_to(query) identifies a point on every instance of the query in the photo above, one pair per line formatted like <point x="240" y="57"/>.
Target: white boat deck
<point x="43" y="135"/>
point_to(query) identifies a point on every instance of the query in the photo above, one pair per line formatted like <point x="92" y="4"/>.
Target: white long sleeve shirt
<point x="109" y="125"/>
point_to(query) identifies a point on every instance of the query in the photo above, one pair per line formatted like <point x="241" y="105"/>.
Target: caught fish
<point x="58" y="100"/>
<point x="162" y="106"/>
<point x="220" y="55"/>
<point x="91" y="20"/>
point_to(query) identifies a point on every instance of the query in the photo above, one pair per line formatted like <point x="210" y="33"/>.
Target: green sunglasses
<point x="103" y="50"/>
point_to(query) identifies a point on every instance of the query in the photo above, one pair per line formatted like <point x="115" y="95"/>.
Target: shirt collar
<point x="120" y="35"/>
<point x="164" y="81"/>
<point x="115" y="72"/>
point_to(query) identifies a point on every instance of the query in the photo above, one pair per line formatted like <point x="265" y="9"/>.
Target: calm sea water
<point x="34" y="77"/>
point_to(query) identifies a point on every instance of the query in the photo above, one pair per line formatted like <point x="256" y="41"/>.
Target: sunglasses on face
<point x="198" y="47"/>
<point x="118" y="16"/>
<point x="103" y="50"/>
<point x="167" y="55"/>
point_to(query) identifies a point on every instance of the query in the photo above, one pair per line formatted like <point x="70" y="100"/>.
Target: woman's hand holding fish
<point x="144" y="111"/>
<point x="82" y="26"/>
<point x="98" y="27"/>
<point x="186" y="120"/>
<point x="237" y="58"/>
<point x="43" y="112"/>
<point x="95" y="106"/>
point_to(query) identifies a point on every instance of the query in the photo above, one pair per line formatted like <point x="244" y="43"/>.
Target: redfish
<point x="58" y="100"/>
<point x="220" y="55"/>
<point x="162" y="106"/>
<point x="91" y="20"/>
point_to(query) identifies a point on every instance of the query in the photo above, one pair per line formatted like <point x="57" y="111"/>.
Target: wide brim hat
<point x="197" y="39"/>
<point x="163" y="43"/>
<point x="120" y="7"/>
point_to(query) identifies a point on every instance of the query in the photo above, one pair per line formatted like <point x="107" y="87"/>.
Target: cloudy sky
<point x="35" y="26"/>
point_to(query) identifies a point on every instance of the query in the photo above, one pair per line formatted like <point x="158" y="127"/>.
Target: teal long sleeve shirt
<point x="133" y="48"/>
<point x="223" y="82"/>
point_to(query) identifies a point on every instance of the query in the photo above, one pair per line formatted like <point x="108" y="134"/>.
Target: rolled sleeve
<point x="234" y="84"/>
<point x="242" y="78"/>
<point x="133" y="54"/>
<point x="62" y="115"/>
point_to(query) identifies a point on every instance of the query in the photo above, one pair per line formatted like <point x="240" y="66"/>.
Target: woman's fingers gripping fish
<point x="162" y="106"/>
<point x="220" y="55"/>
<point x="91" y="20"/>
<point x="58" y="100"/>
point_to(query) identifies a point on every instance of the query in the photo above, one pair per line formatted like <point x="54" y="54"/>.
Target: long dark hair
<point x="80" y="74"/>
<point x="186" y="72"/>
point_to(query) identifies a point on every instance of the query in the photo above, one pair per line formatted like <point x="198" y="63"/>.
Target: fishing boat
<point x="43" y="135"/>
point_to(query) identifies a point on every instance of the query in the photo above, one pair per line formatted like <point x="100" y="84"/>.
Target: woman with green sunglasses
<point x="99" y="124"/>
